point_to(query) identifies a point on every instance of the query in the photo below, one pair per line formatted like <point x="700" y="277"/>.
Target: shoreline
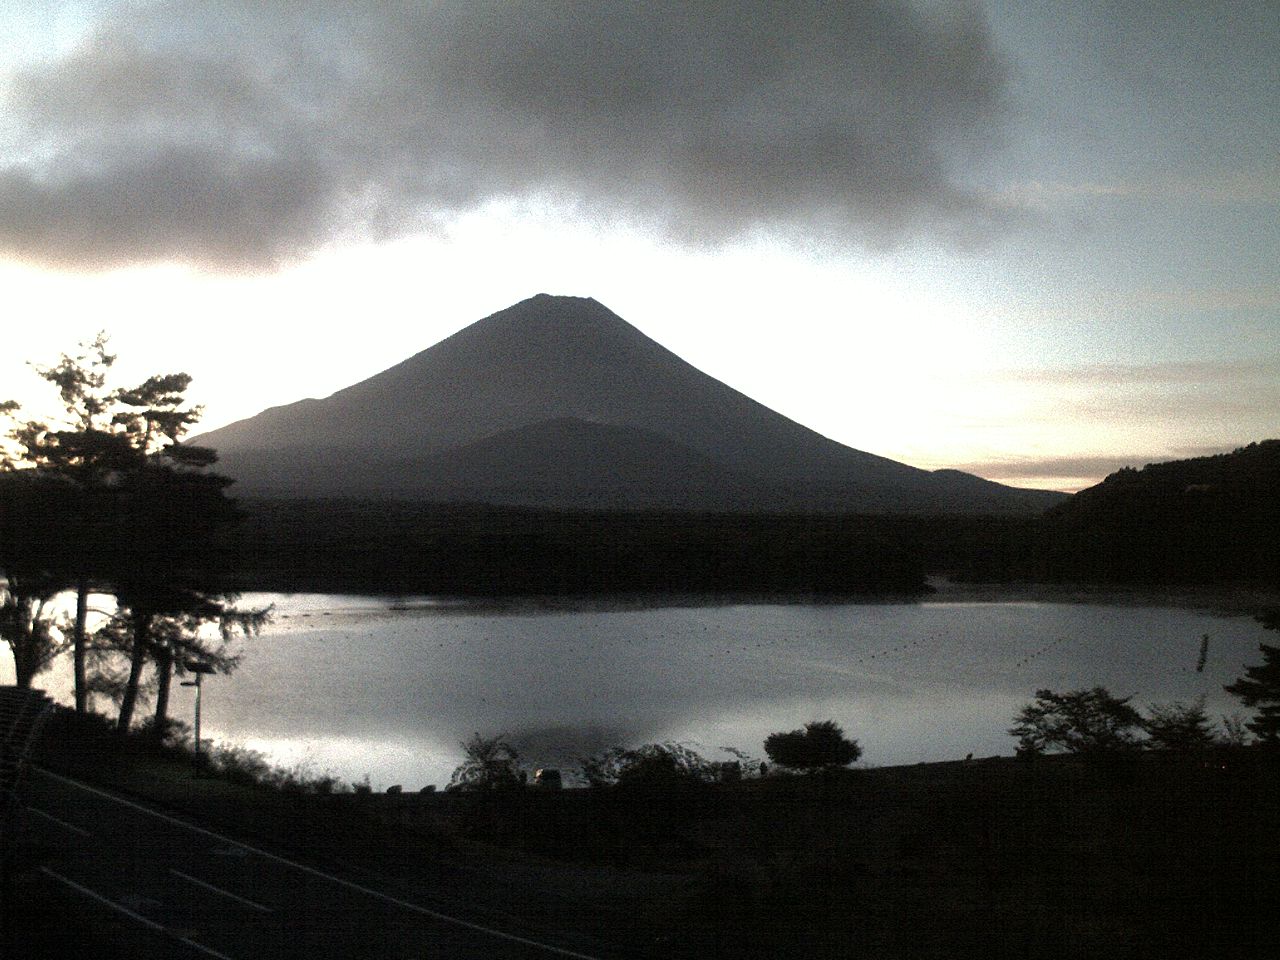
<point x="1233" y="601"/>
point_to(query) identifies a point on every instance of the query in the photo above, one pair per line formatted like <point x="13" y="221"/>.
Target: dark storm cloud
<point x="240" y="134"/>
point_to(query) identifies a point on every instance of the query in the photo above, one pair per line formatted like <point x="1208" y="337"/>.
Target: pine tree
<point x="1078" y="721"/>
<point x="1180" y="728"/>
<point x="1260" y="688"/>
<point x="142" y="516"/>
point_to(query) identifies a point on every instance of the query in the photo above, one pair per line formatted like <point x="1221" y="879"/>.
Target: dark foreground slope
<point x="1135" y="858"/>
<point x="556" y="402"/>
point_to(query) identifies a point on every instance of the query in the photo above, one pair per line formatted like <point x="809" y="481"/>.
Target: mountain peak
<point x="554" y="310"/>
<point x="556" y="298"/>
<point x="543" y="304"/>
<point x="563" y="360"/>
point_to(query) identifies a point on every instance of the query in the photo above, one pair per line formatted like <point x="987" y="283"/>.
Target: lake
<point x="352" y="686"/>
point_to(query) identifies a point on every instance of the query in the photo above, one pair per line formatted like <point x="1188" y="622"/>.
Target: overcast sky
<point x="1038" y="241"/>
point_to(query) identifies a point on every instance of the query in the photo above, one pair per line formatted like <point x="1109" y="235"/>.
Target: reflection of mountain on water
<point x="558" y="402"/>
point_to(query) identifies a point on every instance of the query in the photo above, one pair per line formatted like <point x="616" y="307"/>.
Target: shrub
<point x="173" y="735"/>
<point x="821" y="743"/>
<point x="239" y="764"/>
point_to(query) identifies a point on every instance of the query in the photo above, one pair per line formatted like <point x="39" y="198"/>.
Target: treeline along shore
<point x="1212" y="521"/>
<point x="1206" y="521"/>
<point x="405" y="547"/>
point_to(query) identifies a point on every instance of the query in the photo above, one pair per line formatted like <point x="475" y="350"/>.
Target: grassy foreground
<point x="1133" y="857"/>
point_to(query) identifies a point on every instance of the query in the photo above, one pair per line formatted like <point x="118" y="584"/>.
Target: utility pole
<point x="199" y="669"/>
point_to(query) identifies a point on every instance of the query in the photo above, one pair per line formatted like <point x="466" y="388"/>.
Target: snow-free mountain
<point x="558" y="402"/>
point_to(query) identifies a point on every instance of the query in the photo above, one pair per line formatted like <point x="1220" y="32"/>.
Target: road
<point x="158" y="885"/>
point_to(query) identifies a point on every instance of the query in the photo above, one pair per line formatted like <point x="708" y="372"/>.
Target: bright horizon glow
<point x="865" y="360"/>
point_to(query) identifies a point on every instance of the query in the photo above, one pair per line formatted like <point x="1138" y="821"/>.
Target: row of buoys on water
<point x="1041" y="652"/>
<point x="901" y="648"/>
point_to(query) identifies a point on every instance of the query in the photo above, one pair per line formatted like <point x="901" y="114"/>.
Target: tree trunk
<point x="19" y="629"/>
<point x="138" y="660"/>
<point x="164" y="672"/>
<point x="82" y="612"/>
<point x="24" y="667"/>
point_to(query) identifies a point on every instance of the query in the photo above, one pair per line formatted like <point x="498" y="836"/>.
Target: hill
<point x="1205" y="520"/>
<point x="556" y="402"/>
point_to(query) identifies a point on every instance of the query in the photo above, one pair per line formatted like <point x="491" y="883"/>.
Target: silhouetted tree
<point x="181" y="641"/>
<point x="1235" y="730"/>
<point x="821" y="743"/>
<point x="143" y="520"/>
<point x="108" y="433"/>
<point x="1079" y="721"/>
<point x="9" y="409"/>
<point x="29" y="529"/>
<point x="1180" y="728"/>
<point x="1260" y="688"/>
<point x="172" y="568"/>
<point x="491" y="764"/>
<point x="175" y="641"/>
<point x="81" y="454"/>
<point x="27" y="628"/>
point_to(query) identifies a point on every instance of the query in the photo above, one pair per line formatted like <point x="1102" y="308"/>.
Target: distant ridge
<point x="558" y="402"/>
<point x="1212" y="519"/>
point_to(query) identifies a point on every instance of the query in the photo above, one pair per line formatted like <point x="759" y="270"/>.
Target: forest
<point x="475" y="550"/>
<point x="1206" y="521"/>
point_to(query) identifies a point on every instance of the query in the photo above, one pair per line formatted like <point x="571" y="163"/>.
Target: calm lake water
<point x="348" y="685"/>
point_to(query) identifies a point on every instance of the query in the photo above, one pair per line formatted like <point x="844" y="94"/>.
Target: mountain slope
<point x="566" y="404"/>
<point x="1209" y="519"/>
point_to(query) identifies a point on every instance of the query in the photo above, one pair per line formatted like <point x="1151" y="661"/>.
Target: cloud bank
<point x="237" y="135"/>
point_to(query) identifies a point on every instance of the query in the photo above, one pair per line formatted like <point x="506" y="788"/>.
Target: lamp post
<point x="199" y="669"/>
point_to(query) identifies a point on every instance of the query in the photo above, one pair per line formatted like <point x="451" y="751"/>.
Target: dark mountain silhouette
<point x="568" y="461"/>
<point x="1209" y="519"/>
<point x="558" y="402"/>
